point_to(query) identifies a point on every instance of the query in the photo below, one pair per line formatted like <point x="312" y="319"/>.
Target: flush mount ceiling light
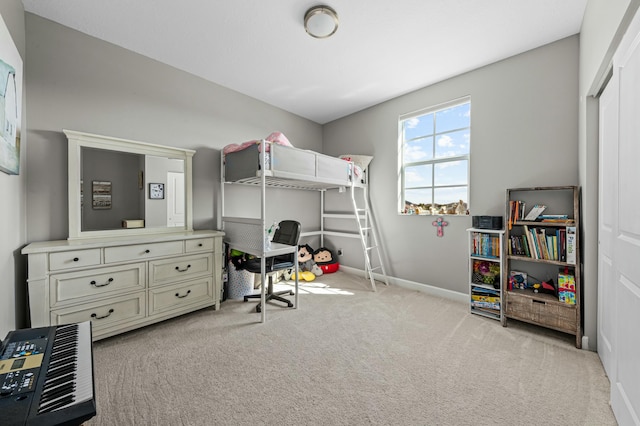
<point x="321" y="21"/>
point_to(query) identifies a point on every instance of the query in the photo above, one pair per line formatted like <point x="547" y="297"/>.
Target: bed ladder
<point x="367" y="229"/>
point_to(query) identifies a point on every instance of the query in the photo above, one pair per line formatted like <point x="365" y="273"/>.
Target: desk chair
<point x="288" y="233"/>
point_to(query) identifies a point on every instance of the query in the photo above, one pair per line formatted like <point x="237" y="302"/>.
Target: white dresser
<point x="123" y="283"/>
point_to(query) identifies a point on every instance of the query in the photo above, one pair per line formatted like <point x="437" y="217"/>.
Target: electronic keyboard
<point x="46" y="376"/>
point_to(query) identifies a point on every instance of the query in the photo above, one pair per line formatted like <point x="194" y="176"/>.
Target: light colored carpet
<point x="348" y="356"/>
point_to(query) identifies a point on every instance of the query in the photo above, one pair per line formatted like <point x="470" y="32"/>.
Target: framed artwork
<point x="156" y="191"/>
<point x="101" y="194"/>
<point x="10" y="102"/>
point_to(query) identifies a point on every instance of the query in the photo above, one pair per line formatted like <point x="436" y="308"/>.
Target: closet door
<point x="619" y="250"/>
<point x="607" y="224"/>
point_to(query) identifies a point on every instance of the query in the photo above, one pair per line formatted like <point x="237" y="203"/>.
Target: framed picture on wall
<point x="101" y="194"/>
<point x="156" y="191"/>
<point x="10" y="102"/>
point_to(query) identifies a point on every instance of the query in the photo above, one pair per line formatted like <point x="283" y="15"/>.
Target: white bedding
<point x="283" y="161"/>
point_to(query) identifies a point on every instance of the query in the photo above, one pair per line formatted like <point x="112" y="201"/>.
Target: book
<point x="562" y="244"/>
<point x="536" y="245"/>
<point x="553" y="216"/>
<point x="571" y="245"/>
<point x="535" y="212"/>
<point x="525" y="245"/>
<point x="542" y="239"/>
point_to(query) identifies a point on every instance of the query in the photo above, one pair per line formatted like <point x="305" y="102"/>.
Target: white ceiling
<point x="382" y="49"/>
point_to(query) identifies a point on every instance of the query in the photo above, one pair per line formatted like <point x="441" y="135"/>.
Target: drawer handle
<point x="183" y="270"/>
<point x="200" y="244"/>
<point x="147" y="251"/>
<point x="539" y="301"/>
<point x="109" y="281"/>
<point x="184" y="295"/>
<point x="104" y="316"/>
<point x="75" y="259"/>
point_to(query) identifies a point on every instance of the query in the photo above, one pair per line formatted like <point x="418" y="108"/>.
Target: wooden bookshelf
<point x="528" y="248"/>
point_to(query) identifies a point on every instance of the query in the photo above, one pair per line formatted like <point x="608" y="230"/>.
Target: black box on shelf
<point x="487" y="222"/>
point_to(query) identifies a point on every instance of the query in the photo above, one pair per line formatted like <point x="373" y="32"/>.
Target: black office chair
<point x="288" y="233"/>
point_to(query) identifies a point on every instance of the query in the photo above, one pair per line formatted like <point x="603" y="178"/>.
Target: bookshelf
<point x="542" y="272"/>
<point x="485" y="272"/>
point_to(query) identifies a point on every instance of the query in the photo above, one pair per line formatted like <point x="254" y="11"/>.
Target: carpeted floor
<point x="347" y="356"/>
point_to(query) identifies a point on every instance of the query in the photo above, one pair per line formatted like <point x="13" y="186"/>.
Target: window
<point x="434" y="159"/>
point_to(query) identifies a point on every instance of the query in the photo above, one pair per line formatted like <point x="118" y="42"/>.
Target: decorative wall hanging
<point x="10" y="102"/>
<point x="101" y="194"/>
<point x="440" y="224"/>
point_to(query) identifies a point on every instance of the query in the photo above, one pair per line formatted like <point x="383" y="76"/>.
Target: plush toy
<point x="308" y="268"/>
<point x="327" y="261"/>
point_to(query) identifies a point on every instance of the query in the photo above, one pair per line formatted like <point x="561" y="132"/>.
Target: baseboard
<point x="412" y="285"/>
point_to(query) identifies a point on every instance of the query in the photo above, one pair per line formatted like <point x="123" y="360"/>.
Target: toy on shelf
<point x="566" y="287"/>
<point x="485" y="272"/>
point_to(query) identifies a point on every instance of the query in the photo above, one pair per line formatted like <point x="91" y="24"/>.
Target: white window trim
<point x="401" y="164"/>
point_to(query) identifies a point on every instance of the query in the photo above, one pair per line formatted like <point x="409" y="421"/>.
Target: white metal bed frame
<point x="292" y="168"/>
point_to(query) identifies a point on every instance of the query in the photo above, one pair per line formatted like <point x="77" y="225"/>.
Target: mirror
<point x="122" y="187"/>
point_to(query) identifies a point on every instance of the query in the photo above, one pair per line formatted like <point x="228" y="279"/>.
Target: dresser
<point x="120" y="284"/>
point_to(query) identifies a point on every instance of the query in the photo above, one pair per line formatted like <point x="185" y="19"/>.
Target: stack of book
<point x="485" y="245"/>
<point x="542" y="243"/>
<point x="485" y="300"/>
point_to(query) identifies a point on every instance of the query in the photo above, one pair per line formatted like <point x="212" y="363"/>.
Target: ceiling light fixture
<point x="321" y="21"/>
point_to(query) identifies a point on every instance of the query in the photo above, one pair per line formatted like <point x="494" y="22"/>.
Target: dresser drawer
<point x="142" y="251"/>
<point x="179" y="269"/>
<point x="203" y="244"/>
<point x="74" y="259"/>
<point x="176" y="296"/>
<point x="104" y="313"/>
<point x="71" y="287"/>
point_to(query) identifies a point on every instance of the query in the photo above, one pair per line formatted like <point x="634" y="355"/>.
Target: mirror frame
<point x="77" y="140"/>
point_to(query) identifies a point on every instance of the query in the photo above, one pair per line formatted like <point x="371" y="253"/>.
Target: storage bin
<point x="240" y="282"/>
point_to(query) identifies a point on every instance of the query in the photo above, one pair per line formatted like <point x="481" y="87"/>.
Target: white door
<point x="175" y="199"/>
<point x="619" y="249"/>
<point x="607" y="220"/>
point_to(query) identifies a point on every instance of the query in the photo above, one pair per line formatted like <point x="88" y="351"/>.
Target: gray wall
<point x="604" y="23"/>
<point x="13" y="224"/>
<point x="81" y="83"/>
<point x="121" y="169"/>
<point x="524" y="121"/>
<point x="156" y="171"/>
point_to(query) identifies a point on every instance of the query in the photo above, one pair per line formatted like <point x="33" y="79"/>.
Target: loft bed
<point x="287" y="167"/>
<point x="274" y="162"/>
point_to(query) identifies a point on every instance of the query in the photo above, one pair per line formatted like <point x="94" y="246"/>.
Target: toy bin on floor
<point x="240" y="282"/>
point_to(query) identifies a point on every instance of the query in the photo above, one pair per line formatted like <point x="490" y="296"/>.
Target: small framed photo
<point x="101" y="194"/>
<point x="156" y="191"/>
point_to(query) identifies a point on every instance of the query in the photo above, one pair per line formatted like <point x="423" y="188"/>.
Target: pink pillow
<point x="279" y="138"/>
<point x="275" y="137"/>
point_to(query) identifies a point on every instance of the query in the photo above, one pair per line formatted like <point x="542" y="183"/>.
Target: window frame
<point x="433" y="161"/>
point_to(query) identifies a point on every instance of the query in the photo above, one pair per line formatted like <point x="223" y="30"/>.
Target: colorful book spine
<point x="571" y="245"/>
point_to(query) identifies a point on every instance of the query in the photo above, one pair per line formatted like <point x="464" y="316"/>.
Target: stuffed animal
<point x="327" y="261"/>
<point x="308" y="268"/>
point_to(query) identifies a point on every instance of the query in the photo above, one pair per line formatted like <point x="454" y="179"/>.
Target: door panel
<point x="625" y="391"/>
<point x="175" y="199"/>
<point x="608" y="205"/>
